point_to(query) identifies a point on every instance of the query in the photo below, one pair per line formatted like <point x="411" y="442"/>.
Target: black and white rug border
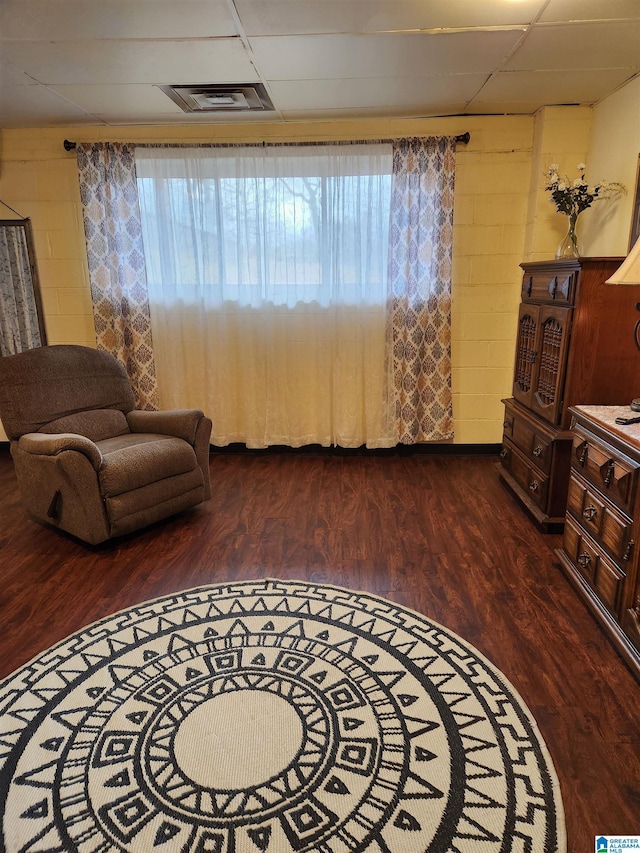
<point x="24" y="702"/>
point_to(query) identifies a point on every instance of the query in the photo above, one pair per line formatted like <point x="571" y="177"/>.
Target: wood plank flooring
<point x="439" y="534"/>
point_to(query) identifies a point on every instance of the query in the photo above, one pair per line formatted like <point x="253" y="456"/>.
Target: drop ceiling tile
<point x="289" y="17"/>
<point x="340" y="56"/>
<point x="418" y="93"/>
<point x="123" y="62"/>
<point x="11" y="76"/>
<point x="28" y="106"/>
<point x="66" y="20"/>
<point x="87" y="49"/>
<point x="134" y="101"/>
<point x="590" y="10"/>
<point x="549" y="87"/>
<point x="561" y="46"/>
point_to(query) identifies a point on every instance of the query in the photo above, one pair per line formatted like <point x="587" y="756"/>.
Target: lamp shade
<point x="629" y="271"/>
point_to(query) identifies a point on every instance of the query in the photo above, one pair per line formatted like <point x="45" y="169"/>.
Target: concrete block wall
<point x="614" y="155"/>
<point x="40" y="181"/>
<point x="561" y="136"/>
<point x="492" y="180"/>
<point x="500" y="210"/>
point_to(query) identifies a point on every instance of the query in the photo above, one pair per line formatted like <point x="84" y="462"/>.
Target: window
<point x="335" y="346"/>
<point x="280" y="225"/>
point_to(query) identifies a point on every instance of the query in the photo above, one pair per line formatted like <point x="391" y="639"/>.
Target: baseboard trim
<point x="399" y="450"/>
<point x="434" y="449"/>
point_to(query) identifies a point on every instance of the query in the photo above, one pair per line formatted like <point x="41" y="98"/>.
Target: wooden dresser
<point x="577" y="342"/>
<point x="601" y="551"/>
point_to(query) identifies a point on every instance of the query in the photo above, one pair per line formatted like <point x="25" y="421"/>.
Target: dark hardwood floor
<point x="438" y="534"/>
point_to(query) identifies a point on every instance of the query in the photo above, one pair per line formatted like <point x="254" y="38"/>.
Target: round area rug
<point x="271" y="716"/>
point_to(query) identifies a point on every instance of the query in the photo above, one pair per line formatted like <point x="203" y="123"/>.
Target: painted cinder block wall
<point x="501" y="217"/>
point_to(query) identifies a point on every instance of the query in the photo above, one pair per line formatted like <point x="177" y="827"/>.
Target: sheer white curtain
<point x="19" y="327"/>
<point x="267" y="277"/>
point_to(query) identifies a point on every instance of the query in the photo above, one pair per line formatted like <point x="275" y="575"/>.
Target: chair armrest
<point x="51" y="444"/>
<point x="181" y="423"/>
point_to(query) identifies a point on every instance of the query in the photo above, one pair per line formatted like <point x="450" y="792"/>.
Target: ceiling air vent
<point x="227" y="97"/>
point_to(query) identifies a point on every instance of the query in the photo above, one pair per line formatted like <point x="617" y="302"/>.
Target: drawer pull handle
<point x="584" y="560"/>
<point x="537" y="450"/>
<point x="610" y="472"/>
<point x="590" y="512"/>
<point x="582" y="453"/>
<point x="628" y="551"/>
<point x="507" y="424"/>
<point x="504" y="453"/>
<point x="534" y="485"/>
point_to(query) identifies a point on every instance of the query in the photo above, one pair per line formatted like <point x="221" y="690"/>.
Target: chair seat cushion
<point x="136" y="460"/>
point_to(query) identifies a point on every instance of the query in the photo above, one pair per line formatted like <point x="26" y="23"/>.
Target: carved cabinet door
<point x="541" y="358"/>
<point x="527" y="347"/>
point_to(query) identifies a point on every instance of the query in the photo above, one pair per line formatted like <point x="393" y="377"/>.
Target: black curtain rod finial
<point x="69" y="146"/>
<point x="464" y="138"/>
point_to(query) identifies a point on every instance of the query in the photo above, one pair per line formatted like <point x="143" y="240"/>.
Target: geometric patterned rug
<point x="271" y="717"/>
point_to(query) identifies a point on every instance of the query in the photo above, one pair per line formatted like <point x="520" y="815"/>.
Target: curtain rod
<point x="462" y="137"/>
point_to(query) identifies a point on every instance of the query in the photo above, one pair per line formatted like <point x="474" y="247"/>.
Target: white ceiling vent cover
<point x="222" y="97"/>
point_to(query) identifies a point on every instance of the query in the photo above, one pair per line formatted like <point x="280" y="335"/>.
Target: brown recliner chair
<point x="86" y="460"/>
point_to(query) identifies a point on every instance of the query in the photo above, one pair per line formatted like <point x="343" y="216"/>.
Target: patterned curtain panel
<point x="115" y="253"/>
<point x="419" y="318"/>
<point x="19" y="328"/>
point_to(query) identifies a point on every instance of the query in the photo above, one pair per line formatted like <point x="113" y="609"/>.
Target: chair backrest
<point x="49" y="383"/>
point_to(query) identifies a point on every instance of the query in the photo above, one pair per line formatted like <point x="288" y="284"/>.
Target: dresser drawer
<point x="526" y="475"/>
<point x="612" y="473"/>
<point x="602" y="575"/>
<point x="549" y="287"/>
<point x="610" y="529"/>
<point x="532" y="438"/>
